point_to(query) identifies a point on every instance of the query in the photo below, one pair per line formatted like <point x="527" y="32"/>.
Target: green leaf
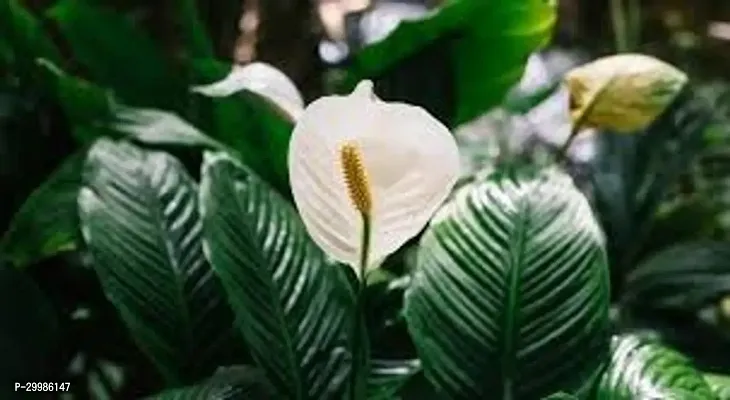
<point x="510" y="298"/>
<point x="489" y="41"/>
<point x="296" y="310"/>
<point x="139" y="214"/>
<point x="263" y="150"/>
<point x="29" y="332"/>
<point x="119" y="55"/>
<point x="684" y="218"/>
<point x="634" y="174"/>
<point x="24" y="34"/>
<point x="720" y="385"/>
<point x="642" y="368"/>
<point x="229" y="383"/>
<point x="160" y="127"/>
<point x="387" y="377"/>
<point x="47" y="223"/>
<point x="84" y="103"/>
<point x="688" y="276"/>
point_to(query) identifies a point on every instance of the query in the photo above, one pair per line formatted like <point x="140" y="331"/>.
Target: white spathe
<point x="262" y="79"/>
<point x="410" y="158"/>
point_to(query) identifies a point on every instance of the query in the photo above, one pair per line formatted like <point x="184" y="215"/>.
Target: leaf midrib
<point x="270" y="290"/>
<point x="154" y="199"/>
<point x="512" y="300"/>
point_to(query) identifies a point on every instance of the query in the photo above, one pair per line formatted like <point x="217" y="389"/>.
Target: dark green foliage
<point x="229" y="383"/>
<point x="295" y="309"/>
<point x="510" y="296"/>
<point x="160" y="252"/>
<point x="642" y="368"/>
<point x="29" y="333"/>
<point x="139" y="216"/>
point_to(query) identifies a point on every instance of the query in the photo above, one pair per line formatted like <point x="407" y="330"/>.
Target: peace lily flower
<point x="624" y="92"/>
<point x="367" y="175"/>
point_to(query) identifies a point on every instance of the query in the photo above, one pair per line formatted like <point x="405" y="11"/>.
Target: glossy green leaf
<point x="140" y="220"/>
<point x="489" y="41"/>
<point x="229" y="383"/>
<point x="687" y="276"/>
<point x="231" y="130"/>
<point x="296" y="310"/>
<point x="642" y="368"/>
<point x="510" y="297"/>
<point x="29" y="332"/>
<point x="47" y="223"/>
<point x="117" y="54"/>
<point x="84" y="103"/>
<point x="24" y="34"/>
<point x="633" y="175"/>
<point x="720" y="385"/>
<point x="159" y="127"/>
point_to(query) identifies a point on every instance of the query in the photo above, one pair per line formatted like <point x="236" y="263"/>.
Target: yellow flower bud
<point x="624" y="93"/>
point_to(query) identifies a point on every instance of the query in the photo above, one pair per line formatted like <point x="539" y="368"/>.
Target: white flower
<point x="262" y="79"/>
<point x="356" y="159"/>
<point x="624" y="92"/>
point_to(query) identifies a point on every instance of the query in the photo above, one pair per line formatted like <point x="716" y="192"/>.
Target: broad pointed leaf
<point x="139" y="215"/>
<point x="24" y="34"/>
<point x="510" y="297"/>
<point x="296" y="310"/>
<point x="47" y="223"/>
<point x="84" y="102"/>
<point x="633" y="176"/>
<point x="160" y="127"/>
<point x="642" y="368"/>
<point x="118" y="54"/>
<point x="687" y="276"/>
<point x="475" y="31"/>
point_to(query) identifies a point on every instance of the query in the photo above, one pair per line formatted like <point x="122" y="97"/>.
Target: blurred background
<point x="306" y="37"/>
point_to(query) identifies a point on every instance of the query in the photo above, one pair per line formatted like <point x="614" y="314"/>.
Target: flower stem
<point x="563" y="151"/>
<point x="620" y="29"/>
<point x="365" y="248"/>
<point x="360" y="345"/>
<point x="579" y="122"/>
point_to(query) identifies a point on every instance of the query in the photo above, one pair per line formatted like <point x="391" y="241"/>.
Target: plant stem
<point x="563" y="151"/>
<point x="579" y="122"/>
<point x="620" y="30"/>
<point x="634" y="24"/>
<point x="360" y="344"/>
